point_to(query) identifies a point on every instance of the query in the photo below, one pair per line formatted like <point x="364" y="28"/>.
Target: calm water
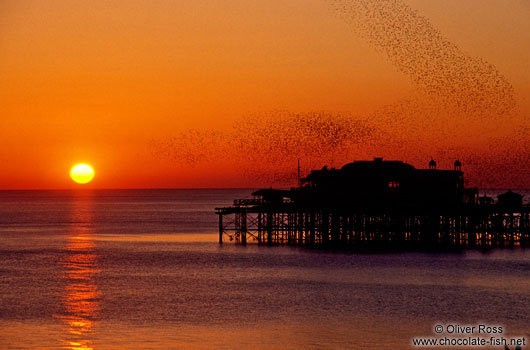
<point x="143" y="270"/>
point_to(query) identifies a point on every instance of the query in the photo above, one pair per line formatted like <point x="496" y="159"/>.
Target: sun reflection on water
<point x="80" y="299"/>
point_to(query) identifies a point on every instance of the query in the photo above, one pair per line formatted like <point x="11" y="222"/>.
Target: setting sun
<point x="82" y="173"/>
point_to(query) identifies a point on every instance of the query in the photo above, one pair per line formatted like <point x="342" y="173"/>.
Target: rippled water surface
<point x="142" y="269"/>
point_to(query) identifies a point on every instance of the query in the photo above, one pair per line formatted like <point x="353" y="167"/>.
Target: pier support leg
<point x="221" y="229"/>
<point x="312" y="229"/>
<point x="325" y="228"/>
<point x="244" y="228"/>
<point x="269" y="228"/>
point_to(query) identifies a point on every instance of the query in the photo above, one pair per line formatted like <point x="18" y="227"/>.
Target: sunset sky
<point x="190" y="93"/>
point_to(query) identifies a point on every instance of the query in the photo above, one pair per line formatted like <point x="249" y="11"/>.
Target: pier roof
<point x="379" y="164"/>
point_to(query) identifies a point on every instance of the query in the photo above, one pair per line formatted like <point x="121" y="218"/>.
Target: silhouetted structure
<point x="383" y="184"/>
<point x="379" y="204"/>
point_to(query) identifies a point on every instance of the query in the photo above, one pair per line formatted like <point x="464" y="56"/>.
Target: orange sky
<point x="108" y="83"/>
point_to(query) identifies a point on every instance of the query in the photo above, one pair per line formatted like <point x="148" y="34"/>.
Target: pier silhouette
<point x="379" y="205"/>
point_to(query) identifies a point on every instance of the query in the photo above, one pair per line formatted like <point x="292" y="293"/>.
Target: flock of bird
<point x="434" y="63"/>
<point x="459" y="105"/>
<point x="463" y="108"/>
<point x="267" y="147"/>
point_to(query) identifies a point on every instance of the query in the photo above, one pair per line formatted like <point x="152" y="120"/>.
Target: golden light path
<point x="81" y="296"/>
<point x="82" y="173"/>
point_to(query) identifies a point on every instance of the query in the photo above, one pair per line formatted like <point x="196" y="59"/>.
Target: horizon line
<point x="127" y="188"/>
<point x="195" y="188"/>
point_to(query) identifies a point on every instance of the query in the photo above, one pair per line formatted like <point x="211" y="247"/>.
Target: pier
<point x="378" y="205"/>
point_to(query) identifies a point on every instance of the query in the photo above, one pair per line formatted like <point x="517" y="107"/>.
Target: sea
<point x="143" y="269"/>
